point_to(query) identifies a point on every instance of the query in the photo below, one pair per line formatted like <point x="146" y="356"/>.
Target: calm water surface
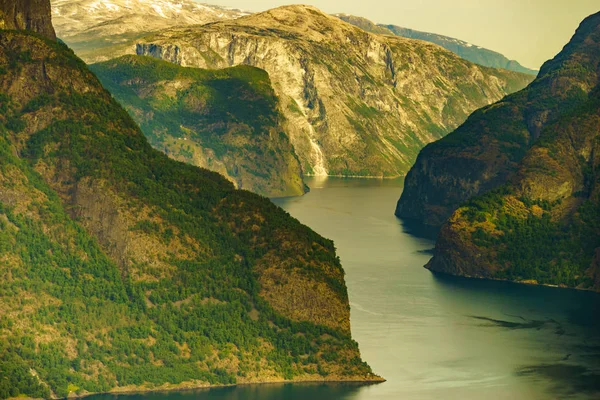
<point x="433" y="337"/>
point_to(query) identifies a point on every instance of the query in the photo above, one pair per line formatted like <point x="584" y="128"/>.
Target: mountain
<point x="101" y="30"/>
<point x="225" y="120"/>
<point x="468" y="51"/>
<point x="124" y="270"/>
<point x="366" y="24"/>
<point x="519" y="180"/>
<point x="355" y="103"/>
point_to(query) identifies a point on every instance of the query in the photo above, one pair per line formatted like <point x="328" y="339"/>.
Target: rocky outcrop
<point x="356" y="103"/>
<point x="486" y="150"/>
<point x="536" y="157"/>
<point x="168" y="53"/>
<point x="31" y="15"/>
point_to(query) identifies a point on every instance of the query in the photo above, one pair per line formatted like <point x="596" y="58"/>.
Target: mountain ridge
<point x="460" y="166"/>
<point x="468" y="51"/>
<point x="99" y="31"/>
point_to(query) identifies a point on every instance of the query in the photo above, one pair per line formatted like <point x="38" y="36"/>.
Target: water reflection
<point x="275" y="391"/>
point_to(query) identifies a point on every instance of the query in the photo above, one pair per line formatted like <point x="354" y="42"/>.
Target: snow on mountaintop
<point x="114" y="17"/>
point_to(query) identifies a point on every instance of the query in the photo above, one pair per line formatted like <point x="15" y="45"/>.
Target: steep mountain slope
<point x="539" y="150"/>
<point x="227" y="120"/>
<point x="468" y="51"/>
<point x="122" y="269"/>
<point x="355" y="103"/>
<point x="487" y="148"/>
<point x="101" y="30"/>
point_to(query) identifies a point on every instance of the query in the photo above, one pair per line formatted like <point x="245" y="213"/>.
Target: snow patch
<point x="158" y="10"/>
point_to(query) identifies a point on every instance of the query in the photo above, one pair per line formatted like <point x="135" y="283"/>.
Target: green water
<point x="434" y="337"/>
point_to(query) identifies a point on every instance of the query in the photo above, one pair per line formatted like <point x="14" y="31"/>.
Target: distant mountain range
<point x="100" y="30"/>
<point x="468" y="51"/>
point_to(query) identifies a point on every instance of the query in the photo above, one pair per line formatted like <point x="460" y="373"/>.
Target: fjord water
<point x="435" y="337"/>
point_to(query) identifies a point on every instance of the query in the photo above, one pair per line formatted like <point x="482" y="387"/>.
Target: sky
<point x="529" y="31"/>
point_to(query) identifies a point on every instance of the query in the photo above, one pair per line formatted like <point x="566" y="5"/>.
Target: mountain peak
<point x="300" y="18"/>
<point x="581" y="51"/>
<point x="31" y="15"/>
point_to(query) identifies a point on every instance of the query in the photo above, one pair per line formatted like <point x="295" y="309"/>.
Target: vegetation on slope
<point x="224" y="120"/>
<point x="486" y="150"/>
<point x="541" y="223"/>
<point x="122" y="268"/>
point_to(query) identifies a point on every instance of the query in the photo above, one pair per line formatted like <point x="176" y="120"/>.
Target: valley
<point x="204" y="202"/>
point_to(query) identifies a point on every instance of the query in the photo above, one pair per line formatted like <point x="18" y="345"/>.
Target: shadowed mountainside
<point x="519" y="180"/>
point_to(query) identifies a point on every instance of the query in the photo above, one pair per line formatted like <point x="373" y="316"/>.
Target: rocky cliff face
<point x="123" y="269"/>
<point x="227" y="121"/>
<point x="468" y="51"/>
<point x="356" y="103"/>
<point x="33" y="15"/>
<point x="487" y="149"/>
<point x="536" y="154"/>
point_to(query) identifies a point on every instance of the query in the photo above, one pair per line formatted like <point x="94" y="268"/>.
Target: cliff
<point x="122" y="269"/>
<point x="535" y="155"/>
<point x="32" y="15"/>
<point x="356" y="103"/>
<point x="227" y="121"/>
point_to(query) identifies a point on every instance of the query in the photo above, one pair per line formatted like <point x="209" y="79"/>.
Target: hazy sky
<point x="529" y="31"/>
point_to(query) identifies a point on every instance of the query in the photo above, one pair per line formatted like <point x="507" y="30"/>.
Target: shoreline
<point x="186" y="387"/>
<point x="357" y="176"/>
<point x="523" y="282"/>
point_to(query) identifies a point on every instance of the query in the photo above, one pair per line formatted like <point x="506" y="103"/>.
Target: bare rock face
<point x="356" y="104"/>
<point x="168" y="53"/>
<point x="31" y="15"/>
